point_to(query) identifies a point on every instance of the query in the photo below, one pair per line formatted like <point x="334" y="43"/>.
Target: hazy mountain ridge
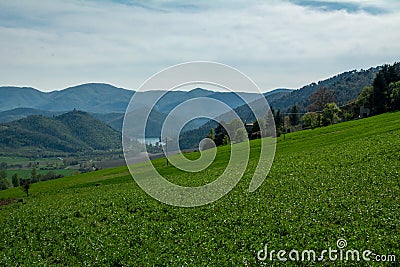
<point x="106" y="102"/>
<point x="105" y="98"/>
<point x="92" y="97"/>
<point x="21" y="97"/>
<point x="100" y="98"/>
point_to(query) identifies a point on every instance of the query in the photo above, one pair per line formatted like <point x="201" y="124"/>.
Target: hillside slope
<point x="347" y="86"/>
<point x="340" y="181"/>
<point x="70" y="132"/>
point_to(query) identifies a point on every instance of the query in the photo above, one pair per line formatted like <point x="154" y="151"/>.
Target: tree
<point x="49" y="176"/>
<point x="394" y="89"/>
<point x="234" y="125"/>
<point x="331" y="113"/>
<point x="320" y="98"/>
<point x="293" y="116"/>
<point x="256" y="127"/>
<point x="240" y="135"/>
<point x="267" y="126"/>
<point x="34" y="175"/>
<point x="219" y="135"/>
<point x="25" y="186"/>
<point x="348" y="115"/>
<point x="15" y="180"/>
<point x="286" y="124"/>
<point x="4" y="183"/>
<point x="211" y="135"/>
<point x="384" y="84"/>
<point x="225" y="140"/>
<point x="278" y="122"/>
<point x="311" y="119"/>
<point x="365" y="97"/>
<point x="379" y="98"/>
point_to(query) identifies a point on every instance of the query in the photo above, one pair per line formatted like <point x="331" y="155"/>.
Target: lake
<point x="150" y="140"/>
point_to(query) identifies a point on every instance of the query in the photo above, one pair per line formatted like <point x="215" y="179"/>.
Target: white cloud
<point x="278" y="44"/>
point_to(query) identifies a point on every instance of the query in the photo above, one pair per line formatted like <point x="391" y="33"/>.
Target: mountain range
<point x="103" y="98"/>
<point x="109" y="103"/>
<point x="32" y="118"/>
<point x="93" y="97"/>
<point x="97" y="98"/>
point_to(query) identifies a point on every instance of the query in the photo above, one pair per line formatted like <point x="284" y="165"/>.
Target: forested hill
<point x="346" y="86"/>
<point x="71" y="132"/>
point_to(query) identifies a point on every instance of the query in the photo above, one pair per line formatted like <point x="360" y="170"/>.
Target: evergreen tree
<point x="219" y="134"/>
<point x="278" y="119"/>
<point x="25" y="186"/>
<point x="379" y="98"/>
<point x="267" y="126"/>
<point x="293" y="117"/>
<point x="4" y="183"/>
<point x="211" y="135"/>
<point x="384" y="89"/>
<point x="34" y="175"/>
<point x="256" y="127"/>
<point x="226" y="140"/>
<point x="15" y="180"/>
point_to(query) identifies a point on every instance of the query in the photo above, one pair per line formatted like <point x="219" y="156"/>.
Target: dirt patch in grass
<point x="4" y="202"/>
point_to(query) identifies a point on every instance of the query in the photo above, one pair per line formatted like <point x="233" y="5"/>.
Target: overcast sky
<point x="53" y="44"/>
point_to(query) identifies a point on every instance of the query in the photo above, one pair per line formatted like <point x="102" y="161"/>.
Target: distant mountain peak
<point x="200" y="89"/>
<point x="94" y="87"/>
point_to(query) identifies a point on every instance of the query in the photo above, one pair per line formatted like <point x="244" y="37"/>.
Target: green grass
<point x="26" y="173"/>
<point x="25" y="161"/>
<point x="336" y="182"/>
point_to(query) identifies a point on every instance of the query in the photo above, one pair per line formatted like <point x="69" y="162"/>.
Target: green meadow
<point x="336" y="182"/>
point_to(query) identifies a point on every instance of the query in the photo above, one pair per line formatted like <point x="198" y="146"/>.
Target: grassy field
<point x="26" y="173"/>
<point x="26" y="161"/>
<point x="335" y="182"/>
<point x="24" y="170"/>
<point x="22" y="165"/>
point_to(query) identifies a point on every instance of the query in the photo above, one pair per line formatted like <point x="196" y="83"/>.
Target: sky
<point x="54" y="44"/>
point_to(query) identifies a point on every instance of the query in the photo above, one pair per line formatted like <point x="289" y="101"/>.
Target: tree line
<point x="24" y="183"/>
<point x="384" y="94"/>
<point x="380" y="97"/>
